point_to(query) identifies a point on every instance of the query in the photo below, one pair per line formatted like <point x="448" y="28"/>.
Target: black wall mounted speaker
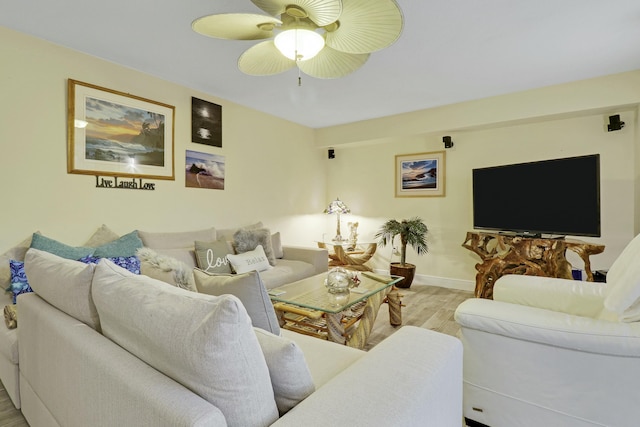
<point x="332" y="153"/>
<point x="615" y="123"/>
<point x="448" y="143"/>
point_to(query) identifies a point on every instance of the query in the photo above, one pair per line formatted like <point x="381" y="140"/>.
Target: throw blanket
<point x="11" y="316"/>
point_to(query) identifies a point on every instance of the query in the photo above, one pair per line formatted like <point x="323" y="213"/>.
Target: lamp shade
<point x="337" y="206"/>
<point x="299" y="44"/>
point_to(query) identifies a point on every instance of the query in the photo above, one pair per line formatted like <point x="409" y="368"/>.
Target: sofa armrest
<point x="413" y="378"/>
<point x="551" y="328"/>
<point x="317" y="257"/>
<point x="561" y="295"/>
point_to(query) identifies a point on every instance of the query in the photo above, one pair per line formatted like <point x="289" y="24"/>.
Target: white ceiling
<point x="449" y="51"/>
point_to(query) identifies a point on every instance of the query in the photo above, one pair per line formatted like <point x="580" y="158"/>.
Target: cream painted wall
<point x="278" y="172"/>
<point x="273" y="171"/>
<point x="363" y="176"/>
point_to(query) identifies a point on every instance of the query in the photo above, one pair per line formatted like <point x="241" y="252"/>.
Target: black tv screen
<point x="557" y="197"/>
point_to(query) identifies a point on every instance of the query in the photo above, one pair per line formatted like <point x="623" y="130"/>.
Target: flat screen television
<point x="557" y="197"/>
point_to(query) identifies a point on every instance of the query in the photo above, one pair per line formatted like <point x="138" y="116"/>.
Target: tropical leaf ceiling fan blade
<point x="366" y="26"/>
<point x="236" y="26"/>
<point x="332" y="64"/>
<point x="321" y="12"/>
<point x="264" y="59"/>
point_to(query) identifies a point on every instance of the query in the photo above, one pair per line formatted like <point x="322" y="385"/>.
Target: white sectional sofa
<point x="100" y="346"/>
<point x="168" y="256"/>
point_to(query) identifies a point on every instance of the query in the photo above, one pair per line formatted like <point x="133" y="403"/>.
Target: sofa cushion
<point x="250" y="291"/>
<point x="247" y="239"/>
<point x="254" y="260"/>
<point x="315" y="351"/>
<point x="43" y="243"/>
<point x="179" y="245"/>
<point x="166" y="268"/>
<point x="623" y="283"/>
<point x="101" y="236"/>
<point x="205" y="343"/>
<point x="286" y="271"/>
<point x="63" y="283"/>
<point x="227" y="233"/>
<point x="212" y="256"/>
<point x="276" y="242"/>
<point x="290" y="376"/>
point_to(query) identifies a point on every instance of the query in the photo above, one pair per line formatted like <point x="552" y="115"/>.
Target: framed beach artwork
<point x="118" y="134"/>
<point x="420" y="174"/>
<point x="206" y="122"/>
<point x="204" y="170"/>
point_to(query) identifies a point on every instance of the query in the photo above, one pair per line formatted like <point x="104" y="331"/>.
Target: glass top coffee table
<point x="307" y="307"/>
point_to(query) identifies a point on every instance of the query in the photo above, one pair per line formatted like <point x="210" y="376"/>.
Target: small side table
<point x="351" y="260"/>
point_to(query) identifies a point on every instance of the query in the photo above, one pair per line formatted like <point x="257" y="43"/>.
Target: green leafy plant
<point x="411" y="231"/>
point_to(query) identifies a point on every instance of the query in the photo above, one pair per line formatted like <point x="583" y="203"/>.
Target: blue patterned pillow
<point x="19" y="284"/>
<point x="130" y="263"/>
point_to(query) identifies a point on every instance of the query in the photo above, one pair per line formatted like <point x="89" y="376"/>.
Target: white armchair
<point x="555" y="352"/>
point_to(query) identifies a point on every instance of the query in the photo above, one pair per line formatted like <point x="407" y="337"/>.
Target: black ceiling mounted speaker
<point x="615" y="123"/>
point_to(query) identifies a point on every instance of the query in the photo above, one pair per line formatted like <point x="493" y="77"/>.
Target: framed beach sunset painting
<point x="420" y="174"/>
<point x="118" y="134"/>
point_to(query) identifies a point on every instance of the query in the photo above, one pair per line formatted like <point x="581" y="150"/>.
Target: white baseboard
<point x="443" y="282"/>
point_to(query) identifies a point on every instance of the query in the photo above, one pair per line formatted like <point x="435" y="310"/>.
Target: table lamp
<point x="337" y="207"/>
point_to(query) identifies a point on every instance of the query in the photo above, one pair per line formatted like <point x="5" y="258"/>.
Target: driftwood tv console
<point x="536" y="256"/>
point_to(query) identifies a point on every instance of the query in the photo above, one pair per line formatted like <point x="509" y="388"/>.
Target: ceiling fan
<point x="326" y="39"/>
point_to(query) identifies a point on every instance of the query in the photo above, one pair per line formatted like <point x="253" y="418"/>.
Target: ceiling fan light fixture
<point x="299" y="44"/>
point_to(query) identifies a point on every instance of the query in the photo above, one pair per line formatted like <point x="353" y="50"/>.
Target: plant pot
<point x="407" y="271"/>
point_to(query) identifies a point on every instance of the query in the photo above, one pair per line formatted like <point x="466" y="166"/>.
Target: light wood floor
<point x="429" y="307"/>
<point x="9" y="415"/>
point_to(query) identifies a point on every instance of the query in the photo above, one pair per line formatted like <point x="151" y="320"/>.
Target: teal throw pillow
<point x="125" y="246"/>
<point x="38" y="241"/>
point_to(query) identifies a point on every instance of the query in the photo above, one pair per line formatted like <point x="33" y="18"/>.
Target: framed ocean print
<point x="114" y="133"/>
<point x="204" y="170"/>
<point x="420" y="174"/>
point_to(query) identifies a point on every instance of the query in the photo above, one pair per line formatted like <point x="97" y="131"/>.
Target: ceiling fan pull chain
<point x="299" y="77"/>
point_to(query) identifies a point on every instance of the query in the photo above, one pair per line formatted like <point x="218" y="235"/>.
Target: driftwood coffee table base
<point x="351" y="327"/>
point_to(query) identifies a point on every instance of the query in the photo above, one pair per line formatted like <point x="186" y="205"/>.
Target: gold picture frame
<point x="114" y="133"/>
<point x="420" y="174"/>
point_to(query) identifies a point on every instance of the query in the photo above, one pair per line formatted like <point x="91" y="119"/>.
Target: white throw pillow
<point x="623" y="282"/>
<point x="203" y="342"/>
<point x="249" y="289"/>
<point x="276" y="242"/>
<point x="254" y="260"/>
<point x="290" y="376"/>
<point x="63" y="283"/>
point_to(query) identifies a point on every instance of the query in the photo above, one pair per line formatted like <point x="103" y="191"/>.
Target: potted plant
<point x="412" y="232"/>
